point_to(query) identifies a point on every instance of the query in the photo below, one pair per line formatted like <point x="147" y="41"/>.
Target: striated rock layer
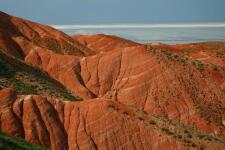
<point x="93" y="124"/>
<point x="101" y="42"/>
<point x="147" y="80"/>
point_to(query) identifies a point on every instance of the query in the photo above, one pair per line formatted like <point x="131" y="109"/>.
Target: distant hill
<point x="101" y="42"/>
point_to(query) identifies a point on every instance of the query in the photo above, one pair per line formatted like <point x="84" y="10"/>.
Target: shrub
<point x="167" y="131"/>
<point x="183" y="59"/>
<point x="199" y="65"/>
<point x="193" y="145"/>
<point x="153" y="122"/>
<point x="179" y="136"/>
<point x="215" y="68"/>
<point x="188" y="133"/>
<point x="26" y="79"/>
<point x="143" y="111"/>
<point x="140" y="118"/>
<point x="125" y="113"/>
<point x="112" y="107"/>
<point x="168" y="54"/>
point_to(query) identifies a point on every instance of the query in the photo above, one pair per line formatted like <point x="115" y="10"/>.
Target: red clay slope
<point x="101" y="42"/>
<point x="145" y="79"/>
<point x="209" y="52"/>
<point x="93" y="124"/>
<point x="19" y="36"/>
<point x="64" y="68"/>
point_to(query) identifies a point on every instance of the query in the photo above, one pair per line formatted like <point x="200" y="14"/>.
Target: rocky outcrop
<point x="93" y="124"/>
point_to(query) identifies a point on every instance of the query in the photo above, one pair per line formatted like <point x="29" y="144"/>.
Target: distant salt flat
<point x="150" y="33"/>
<point x="143" y="26"/>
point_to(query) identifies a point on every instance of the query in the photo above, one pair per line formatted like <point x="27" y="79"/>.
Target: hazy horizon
<point x="173" y="21"/>
<point x="153" y="25"/>
<point x="150" y="34"/>
<point x="117" y="11"/>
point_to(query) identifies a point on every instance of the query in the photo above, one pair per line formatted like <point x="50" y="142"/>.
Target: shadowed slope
<point x="12" y="143"/>
<point x="29" y="80"/>
<point x="64" y="68"/>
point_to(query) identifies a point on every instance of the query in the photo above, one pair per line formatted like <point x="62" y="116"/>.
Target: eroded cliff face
<point x="92" y="124"/>
<point x="136" y="76"/>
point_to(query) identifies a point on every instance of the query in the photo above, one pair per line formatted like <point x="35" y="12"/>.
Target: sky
<point x="60" y="12"/>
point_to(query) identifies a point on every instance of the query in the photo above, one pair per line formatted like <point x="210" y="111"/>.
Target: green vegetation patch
<point x="208" y="137"/>
<point x="152" y="121"/>
<point x="186" y="60"/>
<point x="199" y="64"/>
<point x="26" y="79"/>
<point x="189" y="137"/>
<point x="13" y="143"/>
<point x="53" y="45"/>
<point x="167" y="131"/>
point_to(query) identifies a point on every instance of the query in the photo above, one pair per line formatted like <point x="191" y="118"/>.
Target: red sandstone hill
<point x="209" y="52"/>
<point x="101" y="42"/>
<point x="119" y="80"/>
<point x="180" y="89"/>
